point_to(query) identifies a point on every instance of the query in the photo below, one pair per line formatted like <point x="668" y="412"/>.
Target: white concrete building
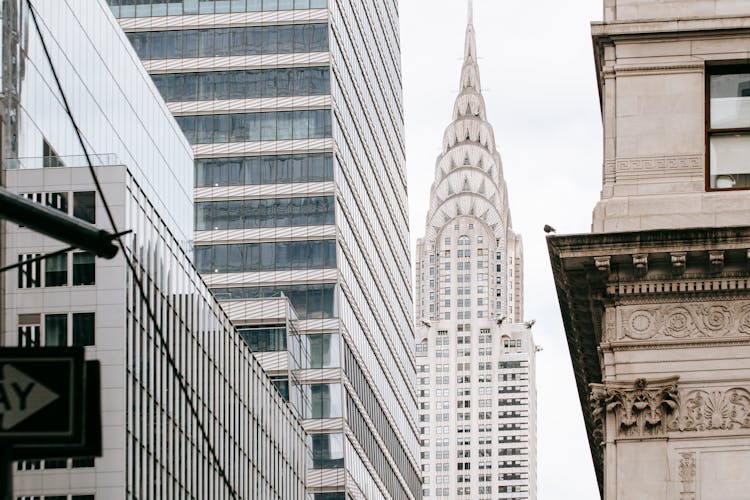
<point x="655" y="300"/>
<point x="475" y="357"/>
<point x="187" y="410"/>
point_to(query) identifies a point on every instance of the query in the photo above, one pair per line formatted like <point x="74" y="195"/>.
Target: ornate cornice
<point x="652" y="276"/>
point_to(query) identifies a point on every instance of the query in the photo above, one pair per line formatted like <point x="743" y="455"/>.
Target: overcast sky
<point x="539" y="84"/>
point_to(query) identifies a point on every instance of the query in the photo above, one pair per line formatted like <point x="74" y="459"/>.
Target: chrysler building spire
<point x="469" y="311"/>
<point x="469" y="190"/>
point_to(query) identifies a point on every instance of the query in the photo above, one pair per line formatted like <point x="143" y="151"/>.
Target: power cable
<point x="144" y="296"/>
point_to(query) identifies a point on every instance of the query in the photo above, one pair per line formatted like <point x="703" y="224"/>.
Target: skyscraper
<point x="475" y="358"/>
<point x="294" y="111"/>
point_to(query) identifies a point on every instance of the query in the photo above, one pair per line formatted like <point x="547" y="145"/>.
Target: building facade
<point x="655" y="300"/>
<point x="477" y="397"/>
<point x="294" y="112"/>
<point x="187" y="411"/>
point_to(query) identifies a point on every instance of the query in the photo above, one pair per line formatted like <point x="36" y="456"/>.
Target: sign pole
<point x="6" y="473"/>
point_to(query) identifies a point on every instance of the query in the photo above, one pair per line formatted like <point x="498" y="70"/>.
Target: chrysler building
<point x="475" y="354"/>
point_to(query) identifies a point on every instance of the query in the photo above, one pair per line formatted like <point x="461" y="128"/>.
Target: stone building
<point x="656" y="300"/>
<point x="477" y="397"/>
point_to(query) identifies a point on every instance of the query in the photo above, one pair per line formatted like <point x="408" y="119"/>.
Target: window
<point x="270" y="256"/>
<point x="84" y="271"/>
<point x="84" y="206"/>
<point x="264" y="338"/>
<point x="252" y="40"/>
<point x="263" y="170"/>
<point x="57" y="463"/>
<point x="83" y="329"/>
<point x="330" y="496"/>
<point x="58" y="201"/>
<point x="239" y="127"/>
<point x="56" y="270"/>
<point x="728" y="132"/>
<point x="80" y="462"/>
<point x="323" y="349"/>
<point x="29" y="274"/>
<point x="28" y="336"/>
<point x="327" y="450"/>
<point x="55" y="330"/>
<point x="325" y="400"/>
<point x="49" y="156"/>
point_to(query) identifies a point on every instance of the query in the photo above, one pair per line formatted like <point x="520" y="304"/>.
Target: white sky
<point x="539" y="84"/>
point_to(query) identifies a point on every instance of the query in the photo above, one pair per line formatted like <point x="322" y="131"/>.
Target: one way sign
<point x="20" y="396"/>
<point x="41" y="395"/>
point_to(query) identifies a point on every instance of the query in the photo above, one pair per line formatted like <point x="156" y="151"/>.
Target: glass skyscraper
<point x="294" y="111"/>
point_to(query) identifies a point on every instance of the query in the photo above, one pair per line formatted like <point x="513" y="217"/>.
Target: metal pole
<point x="6" y="473"/>
<point x="56" y="224"/>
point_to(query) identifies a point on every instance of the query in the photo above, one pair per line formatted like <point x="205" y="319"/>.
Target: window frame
<point x="713" y="69"/>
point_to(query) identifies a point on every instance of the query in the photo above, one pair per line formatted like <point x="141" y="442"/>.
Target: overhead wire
<point x="134" y="272"/>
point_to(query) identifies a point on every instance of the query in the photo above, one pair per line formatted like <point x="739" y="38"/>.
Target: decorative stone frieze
<point x="686" y="471"/>
<point x="661" y="163"/>
<point x="682" y="321"/>
<point x="640" y="409"/>
<point x="714" y="410"/>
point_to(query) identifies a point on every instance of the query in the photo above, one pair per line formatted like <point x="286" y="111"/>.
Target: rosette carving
<point x="678" y="322"/>
<point x="716" y="319"/>
<point x="640" y="324"/>
<point x="743" y="325"/>
<point x="683" y="321"/>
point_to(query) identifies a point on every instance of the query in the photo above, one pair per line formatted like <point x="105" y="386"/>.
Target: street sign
<point x="41" y="395"/>
<point x="88" y="443"/>
<point x="20" y="397"/>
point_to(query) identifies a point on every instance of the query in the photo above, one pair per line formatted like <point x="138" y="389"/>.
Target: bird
<point x="529" y="323"/>
<point x="425" y="323"/>
<point x="549" y="229"/>
<point x="500" y="320"/>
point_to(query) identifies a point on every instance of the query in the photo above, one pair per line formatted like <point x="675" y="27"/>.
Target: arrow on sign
<point x="20" y="397"/>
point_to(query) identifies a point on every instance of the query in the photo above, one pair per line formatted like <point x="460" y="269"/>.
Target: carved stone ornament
<point x="640" y="264"/>
<point x="603" y="263"/>
<point x="682" y="321"/>
<point x="640" y="410"/>
<point x="714" y="410"/>
<point x="678" y="262"/>
<point x="687" y="475"/>
<point x="610" y="319"/>
<point x="716" y="259"/>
